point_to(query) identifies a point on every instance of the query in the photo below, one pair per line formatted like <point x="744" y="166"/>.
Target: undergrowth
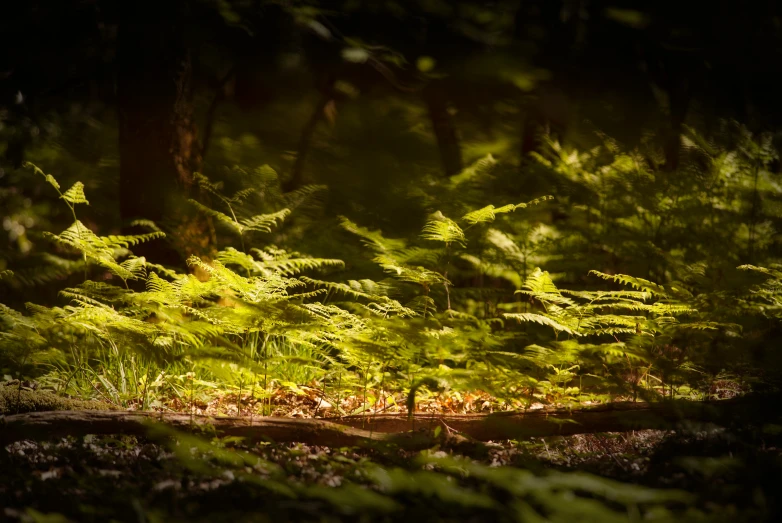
<point x="460" y="317"/>
<point x="257" y="319"/>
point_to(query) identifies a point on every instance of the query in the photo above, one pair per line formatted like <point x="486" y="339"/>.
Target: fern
<point x="75" y="195"/>
<point x="443" y="317"/>
<point x="542" y="320"/>
<point x="479" y="169"/>
<point x="490" y="212"/>
<point x="637" y="283"/>
<point x="443" y="229"/>
<point x="103" y="250"/>
<point x="373" y="239"/>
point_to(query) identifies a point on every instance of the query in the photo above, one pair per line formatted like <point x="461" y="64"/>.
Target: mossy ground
<point x="16" y="399"/>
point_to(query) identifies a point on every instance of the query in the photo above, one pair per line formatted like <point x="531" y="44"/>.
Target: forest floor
<point x="724" y="475"/>
<point x="130" y="479"/>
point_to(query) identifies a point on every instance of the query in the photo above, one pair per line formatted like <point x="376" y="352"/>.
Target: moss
<point x="15" y="401"/>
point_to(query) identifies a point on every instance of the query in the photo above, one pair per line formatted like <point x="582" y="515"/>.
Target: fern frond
<point x="763" y="270"/>
<point x="80" y="298"/>
<point x="619" y="352"/>
<point x="637" y="283"/>
<point x="126" y="242"/>
<point x="264" y="222"/>
<point x="540" y="282"/>
<point x="481" y="168"/>
<point x="536" y="201"/>
<point x="444" y="230"/>
<point x="49" y="178"/>
<point x="487" y="214"/>
<point x="81" y="238"/>
<point x="537" y="354"/>
<point x="231" y="256"/>
<point x="505" y="244"/>
<point x="149" y="224"/>
<point x="207" y="185"/>
<point x="540" y="286"/>
<point x="221" y="217"/>
<point x="294" y="266"/>
<point x="419" y="275"/>
<point x="157" y="284"/>
<point x="241" y="195"/>
<point x="162" y="270"/>
<point x="542" y="320"/>
<point x="703" y="325"/>
<point x="317" y="293"/>
<point x="354" y="291"/>
<point x="388" y="309"/>
<point x="419" y="255"/>
<point x="295" y="198"/>
<point x="601" y="296"/>
<point x="422" y="305"/>
<point x="672" y="309"/>
<point x="495" y="270"/>
<point x="75" y="194"/>
<point x="373" y="239"/>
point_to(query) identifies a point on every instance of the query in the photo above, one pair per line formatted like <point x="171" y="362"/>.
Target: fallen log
<point x="419" y="432"/>
<point x="58" y="424"/>
<point x="609" y="417"/>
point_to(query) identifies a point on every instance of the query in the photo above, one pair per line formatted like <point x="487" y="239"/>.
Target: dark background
<point x="376" y="100"/>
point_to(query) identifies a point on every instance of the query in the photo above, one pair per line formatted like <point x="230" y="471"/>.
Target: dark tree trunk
<point x="305" y="141"/>
<point x="679" y="102"/>
<point x="530" y="126"/>
<point x="444" y="129"/>
<point x="158" y="146"/>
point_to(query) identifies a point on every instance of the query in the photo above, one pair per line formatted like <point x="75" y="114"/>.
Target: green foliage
<point x="461" y="305"/>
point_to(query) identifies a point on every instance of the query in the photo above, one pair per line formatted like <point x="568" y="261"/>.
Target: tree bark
<point x="57" y="424"/>
<point x="611" y="417"/>
<point x="444" y="130"/>
<point x="397" y="429"/>
<point x="679" y="102"/>
<point x="305" y="141"/>
<point x="158" y="144"/>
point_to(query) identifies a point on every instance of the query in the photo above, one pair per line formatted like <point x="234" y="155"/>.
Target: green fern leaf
<point x="444" y="230"/>
<point x="113" y="241"/>
<point x="638" y="283"/>
<point x="373" y="239"/>
<point x="479" y="169"/>
<point x="542" y="320"/>
<point x="265" y="222"/>
<point x="149" y="224"/>
<point x="221" y="217"/>
<point x="75" y="194"/>
<point x="489" y="213"/>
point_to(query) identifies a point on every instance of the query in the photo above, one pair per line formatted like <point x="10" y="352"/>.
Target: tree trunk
<point x="679" y="102"/>
<point x="158" y="146"/>
<point x="305" y="141"/>
<point x="530" y="126"/>
<point x="444" y="130"/>
<point x="397" y="429"/>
